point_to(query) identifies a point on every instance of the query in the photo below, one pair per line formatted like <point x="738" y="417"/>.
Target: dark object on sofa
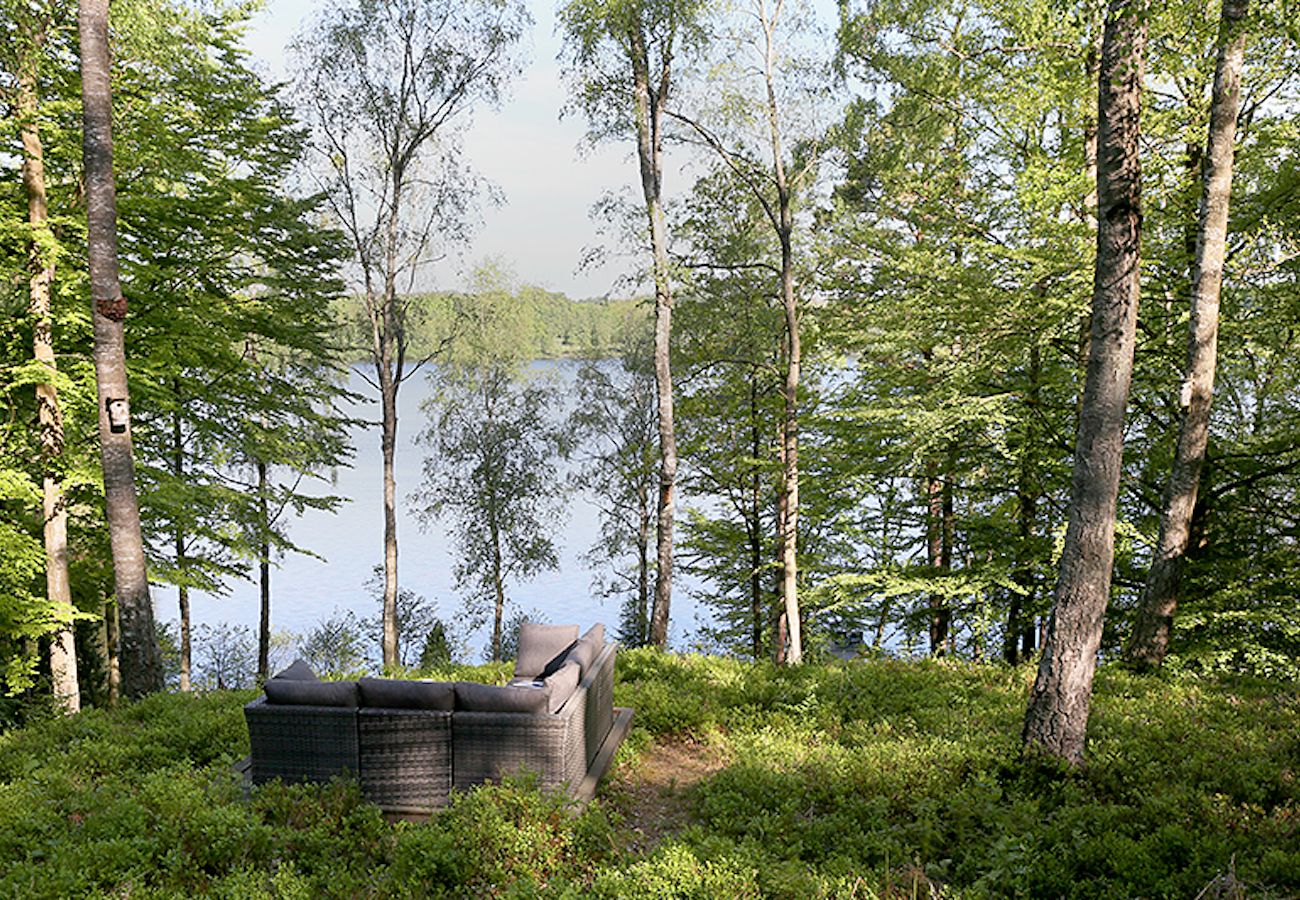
<point x="411" y="742"/>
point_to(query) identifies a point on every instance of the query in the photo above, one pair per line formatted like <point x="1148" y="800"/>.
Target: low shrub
<point x="872" y="779"/>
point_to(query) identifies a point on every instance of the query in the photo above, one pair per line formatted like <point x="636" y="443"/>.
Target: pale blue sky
<point x="548" y="177"/>
<point x="533" y="156"/>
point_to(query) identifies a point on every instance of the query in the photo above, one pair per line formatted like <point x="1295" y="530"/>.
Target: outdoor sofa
<point x="410" y="743"/>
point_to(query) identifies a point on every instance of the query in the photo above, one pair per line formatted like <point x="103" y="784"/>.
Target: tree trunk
<point x="644" y="527"/>
<point x="264" y="577"/>
<point x="790" y="390"/>
<point x="1150" y="640"/>
<point x="141" y="668"/>
<point x="940" y="614"/>
<point x="63" y="652"/>
<point x="1057" y="715"/>
<point x="178" y="539"/>
<point x="1018" y="640"/>
<point x="112" y="657"/>
<point x="388" y="446"/>
<point x="649" y="145"/>
<point x="498" y="591"/>
<point x="755" y="523"/>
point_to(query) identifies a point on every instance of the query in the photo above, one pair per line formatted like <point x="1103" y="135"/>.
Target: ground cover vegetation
<point x="875" y="778"/>
<point x="972" y="337"/>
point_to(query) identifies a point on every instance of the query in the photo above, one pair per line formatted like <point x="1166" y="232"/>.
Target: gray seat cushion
<point x="472" y="697"/>
<point x="395" y="693"/>
<point x="584" y="652"/>
<point x="311" y="693"/>
<point x="298" y="670"/>
<point x="542" y="648"/>
<point x="560" y="686"/>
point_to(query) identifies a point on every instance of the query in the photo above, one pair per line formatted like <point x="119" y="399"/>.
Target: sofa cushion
<point x="298" y="670"/>
<point x="584" y="654"/>
<point x="561" y="684"/>
<point x="596" y="634"/>
<point x="311" y="693"/>
<point x="396" y="693"/>
<point x="542" y="648"/>
<point x="472" y="697"/>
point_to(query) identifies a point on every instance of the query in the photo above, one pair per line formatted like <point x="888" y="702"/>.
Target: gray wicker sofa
<point x="409" y="743"/>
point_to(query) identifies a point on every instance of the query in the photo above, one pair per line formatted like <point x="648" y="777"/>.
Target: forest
<point x="961" y="350"/>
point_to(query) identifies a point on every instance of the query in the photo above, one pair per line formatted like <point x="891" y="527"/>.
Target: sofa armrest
<point x="300" y="743"/>
<point x="493" y="745"/>
<point x="599" y="684"/>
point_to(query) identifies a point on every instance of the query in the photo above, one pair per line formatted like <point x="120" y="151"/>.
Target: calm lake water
<point x="349" y="542"/>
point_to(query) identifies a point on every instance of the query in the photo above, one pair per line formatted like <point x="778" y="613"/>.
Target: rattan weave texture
<point x="301" y="743"/>
<point x="405" y="757"/>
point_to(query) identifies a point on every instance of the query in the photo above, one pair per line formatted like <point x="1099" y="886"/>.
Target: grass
<point x="872" y="779"/>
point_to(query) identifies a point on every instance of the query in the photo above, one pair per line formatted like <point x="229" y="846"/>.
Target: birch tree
<point x="623" y="57"/>
<point x="492" y="465"/>
<point x="776" y="182"/>
<point x="1057" y="716"/>
<point x="1159" y="600"/>
<point x="28" y="49"/>
<point x="388" y="87"/>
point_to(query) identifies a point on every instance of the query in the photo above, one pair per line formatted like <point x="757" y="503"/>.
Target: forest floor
<point x="866" y="779"/>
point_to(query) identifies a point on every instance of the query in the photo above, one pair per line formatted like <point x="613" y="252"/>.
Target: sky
<point x="549" y="178"/>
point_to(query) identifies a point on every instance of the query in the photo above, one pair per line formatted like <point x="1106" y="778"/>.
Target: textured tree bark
<point x="389" y="362"/>
<point x="58" y="588"/>
<point x="1056" y="719"/>
<point x="650" y="100"/>
<point x="141" y="668"/>
<point x="1159" y="600"/>
<point x="112" y="643"/>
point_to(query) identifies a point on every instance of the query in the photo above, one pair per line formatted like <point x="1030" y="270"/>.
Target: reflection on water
<point x="306" y="590"/>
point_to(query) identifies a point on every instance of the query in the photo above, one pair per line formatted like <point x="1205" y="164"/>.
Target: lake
<point x="306" y="590"/>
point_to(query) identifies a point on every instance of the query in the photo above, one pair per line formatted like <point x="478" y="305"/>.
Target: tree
<point x="1149" y="641"/>
<point x="615" y="425"/>
<point x="233" y="359"/>
<point x="623" y="58"/>
<point x="492" y="465"/>
<point x="141" y="672"/>
<point x="1057" y="716"/>
<point x="29" y="39"/>
<point x="387" y="86"/>
<point x="776" y="184"/>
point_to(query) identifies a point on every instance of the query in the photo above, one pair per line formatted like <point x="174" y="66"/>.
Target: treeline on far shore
<point x="547" y="324"/>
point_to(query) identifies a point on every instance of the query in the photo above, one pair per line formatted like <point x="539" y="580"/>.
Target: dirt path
<point x="653" y="795"/>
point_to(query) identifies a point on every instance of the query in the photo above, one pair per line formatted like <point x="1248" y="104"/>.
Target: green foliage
<point x="614" y="429"/>
<point x="492" y="466"/>
<point x="868" y="779"/>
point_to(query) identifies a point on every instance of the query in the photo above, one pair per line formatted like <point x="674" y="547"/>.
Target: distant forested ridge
<point x="547" y="324"/>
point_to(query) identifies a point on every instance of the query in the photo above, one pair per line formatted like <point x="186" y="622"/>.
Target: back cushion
<point x="298" y="671"/>
<point x="561" y="685"/>
<point x="311" y="693"/>
<point x="471" y="697"/>
<point x="542" y="648"/>
<point x="396" y="693"/>
<point x="584" y="654"/>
